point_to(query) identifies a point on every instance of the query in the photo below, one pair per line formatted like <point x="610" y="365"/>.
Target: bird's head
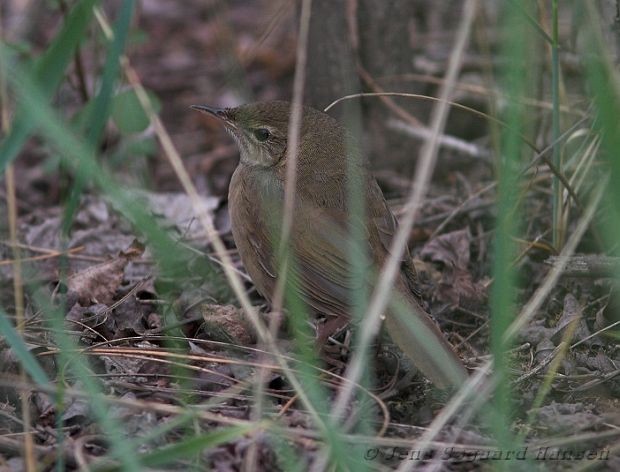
<point x="261" y="132"/>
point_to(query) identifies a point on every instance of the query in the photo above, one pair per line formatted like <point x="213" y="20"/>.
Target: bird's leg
<point x="332" y="326"/>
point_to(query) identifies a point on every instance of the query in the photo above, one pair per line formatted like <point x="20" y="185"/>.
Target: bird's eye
<point x="261" y="134"/>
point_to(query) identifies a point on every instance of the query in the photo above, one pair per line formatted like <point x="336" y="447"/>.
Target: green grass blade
<point x="603" y="80"/>
<point x="28" y="361"/>
<point x="75" y="152"/>
<point x="558" y="224"/>
<point x="531" y="20"/>
<point x="101" y="108"/>
<point x="187" y="448"/>
<point x="102" y="105"/>
<point x="503" y="290"/>
<point x="70" y="357"/>
<point x="48" y="71"/>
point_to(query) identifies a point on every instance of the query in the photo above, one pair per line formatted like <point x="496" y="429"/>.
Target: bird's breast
<point x="255" y="200"/>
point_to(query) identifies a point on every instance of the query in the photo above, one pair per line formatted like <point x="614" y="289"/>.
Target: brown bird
<point x="321" y="267"/>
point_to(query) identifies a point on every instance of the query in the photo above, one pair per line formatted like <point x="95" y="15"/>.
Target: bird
<point x="321" y="224"/>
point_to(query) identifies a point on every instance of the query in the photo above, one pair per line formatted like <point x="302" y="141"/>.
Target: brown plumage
<point x="320" y="268"/>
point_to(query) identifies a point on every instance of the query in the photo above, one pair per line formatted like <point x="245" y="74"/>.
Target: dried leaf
<point x="98" y="284"/>
<point x="561" y="418"/>
<point x="226" y="323"/>
<point x="456" y="285"/>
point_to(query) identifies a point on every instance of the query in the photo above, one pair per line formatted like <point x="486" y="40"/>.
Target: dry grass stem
<point x="18" y="286"/>
<point x="294" y="130"/>
<point x="447" y="141"/>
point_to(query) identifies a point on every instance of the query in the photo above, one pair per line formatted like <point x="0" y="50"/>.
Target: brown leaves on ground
<point x="453" y="278"/>
<point x="227" y="324"/>
<point x="98" y="283"/>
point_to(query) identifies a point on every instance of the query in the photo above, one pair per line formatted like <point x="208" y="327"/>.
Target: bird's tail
<point x="417" y="335"/>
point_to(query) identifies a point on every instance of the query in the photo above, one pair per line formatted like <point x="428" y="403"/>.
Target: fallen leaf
<point x="456" y="285"/>
<point x="98" y="283"/>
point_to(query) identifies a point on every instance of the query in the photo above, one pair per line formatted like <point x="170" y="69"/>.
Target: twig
<point x="385" y="98"/>
<point x="432" y="99"/>
<point x="596" y="333"/>
<point x="49" y="255"/>
<point x="541" y="365"/>
<point x="77" y="59"/>
<point x="450" y="142"/>
<point x="478" y="90"/>
<point x="460" y="208"/>
<point x="589" y="265"/>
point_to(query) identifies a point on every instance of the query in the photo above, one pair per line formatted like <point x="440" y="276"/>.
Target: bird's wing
<point x="385" y="222"/>
<point x="321" y="264"/>
<point x="319" y="269"/>
<point x="322" y="246"/>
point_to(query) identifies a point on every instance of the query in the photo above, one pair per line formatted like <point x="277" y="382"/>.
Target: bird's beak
<point x="221" y="113"/>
